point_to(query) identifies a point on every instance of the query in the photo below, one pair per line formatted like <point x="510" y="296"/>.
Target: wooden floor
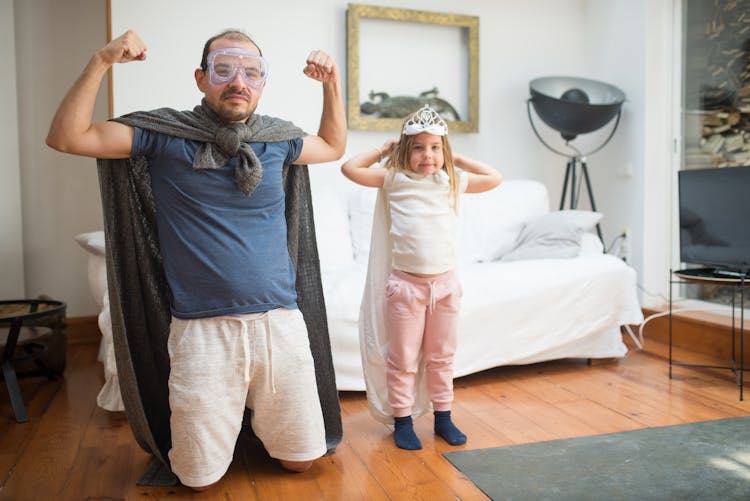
<point x="73" y="450"/>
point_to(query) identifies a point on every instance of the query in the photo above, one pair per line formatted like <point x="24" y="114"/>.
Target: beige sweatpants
<point x="219" y="366"/>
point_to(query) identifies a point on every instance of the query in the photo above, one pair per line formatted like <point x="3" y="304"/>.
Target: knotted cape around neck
<point x="138" y="290"/>
<point x="221" y="140"/>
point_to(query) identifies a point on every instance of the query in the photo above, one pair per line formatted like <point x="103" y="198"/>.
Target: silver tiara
<point x="425" y="120"/>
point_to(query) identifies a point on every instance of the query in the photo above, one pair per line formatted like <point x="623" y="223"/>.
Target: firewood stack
<point x="723" y="123"/>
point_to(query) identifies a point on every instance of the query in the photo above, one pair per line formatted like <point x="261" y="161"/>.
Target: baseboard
<point x="83" y="330"/>
<point x="701" y="332"/>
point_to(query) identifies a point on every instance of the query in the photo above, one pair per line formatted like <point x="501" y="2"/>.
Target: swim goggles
<point x="223" y="65"/>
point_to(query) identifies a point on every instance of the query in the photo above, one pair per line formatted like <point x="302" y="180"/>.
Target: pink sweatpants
<point x="422" y="316"/>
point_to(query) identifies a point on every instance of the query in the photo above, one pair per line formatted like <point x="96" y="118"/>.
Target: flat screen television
<point x="714" y="218"/>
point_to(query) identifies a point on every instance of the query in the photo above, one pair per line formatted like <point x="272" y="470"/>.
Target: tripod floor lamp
<point x="574" y="106"/>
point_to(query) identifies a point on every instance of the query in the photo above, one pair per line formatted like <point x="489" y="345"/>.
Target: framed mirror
<point x="399" y="59"/>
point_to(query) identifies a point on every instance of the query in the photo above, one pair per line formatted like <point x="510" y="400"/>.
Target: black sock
<point x="404" y="434"/>
<point x="445" y="428"/>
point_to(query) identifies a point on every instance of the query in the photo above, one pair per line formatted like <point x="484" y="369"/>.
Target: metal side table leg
<point x="9" y="373"/>
<point x="16" y="400"/>
<point x="742" y="335"/>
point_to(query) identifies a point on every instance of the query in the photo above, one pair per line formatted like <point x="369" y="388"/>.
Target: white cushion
<point x="590" y="244"/>
<point x="491" y="221"/>
<point x="556" y="235"/>
<point x="92" y="241"/>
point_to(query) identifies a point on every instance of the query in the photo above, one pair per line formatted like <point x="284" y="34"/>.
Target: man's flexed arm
<point x="72" y="130"/>
<point x="330" y="142"/>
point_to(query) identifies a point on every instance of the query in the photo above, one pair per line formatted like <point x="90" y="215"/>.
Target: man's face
<point x="234" y="100"/>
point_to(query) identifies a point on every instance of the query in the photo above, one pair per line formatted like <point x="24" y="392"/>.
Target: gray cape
<point x="138" y="290"/>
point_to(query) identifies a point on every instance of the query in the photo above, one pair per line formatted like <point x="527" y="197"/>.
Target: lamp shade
<point x="573" y="105"/>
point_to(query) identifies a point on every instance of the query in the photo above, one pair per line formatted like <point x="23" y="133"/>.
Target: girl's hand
<point x="482" y="177"/>
<point x="388" y="147"/>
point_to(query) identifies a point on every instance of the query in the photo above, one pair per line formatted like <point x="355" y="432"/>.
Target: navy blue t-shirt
<point x="224" y="252"/>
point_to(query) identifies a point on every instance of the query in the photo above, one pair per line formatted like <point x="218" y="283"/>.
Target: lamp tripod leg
<point x="568" y="168"/>
<point x="573" y="191"/>
<point x="585" y="173"/>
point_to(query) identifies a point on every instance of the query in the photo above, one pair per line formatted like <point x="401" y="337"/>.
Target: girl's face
<point x="426" y="156"/>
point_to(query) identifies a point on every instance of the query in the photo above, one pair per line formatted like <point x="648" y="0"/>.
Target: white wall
<point x="519" y="40"/>
<point x="11" y="234"/>
<point x="631" y="47"/>
<point x="617" y="56"/>
<point x="510" y="54"/>
<point x="59" y="193"/>
<point x="662" y="114"/>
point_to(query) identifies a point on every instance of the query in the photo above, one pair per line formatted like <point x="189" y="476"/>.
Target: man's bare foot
<point x="203" y="488"/>
<point x="296" y="466"/>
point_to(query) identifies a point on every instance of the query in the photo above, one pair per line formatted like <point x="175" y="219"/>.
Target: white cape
<point x="373" y="335"/>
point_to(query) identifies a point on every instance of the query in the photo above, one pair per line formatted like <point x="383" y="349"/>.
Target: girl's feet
<point x="445" y="428"/>
<point x="404" y="434"/>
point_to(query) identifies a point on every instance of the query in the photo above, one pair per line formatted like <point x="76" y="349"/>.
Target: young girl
<point x="409" y="312"/>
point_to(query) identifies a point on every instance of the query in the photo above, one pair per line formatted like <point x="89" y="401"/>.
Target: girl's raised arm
<point x="482" y="177"/>
<point x="358" y="169"/>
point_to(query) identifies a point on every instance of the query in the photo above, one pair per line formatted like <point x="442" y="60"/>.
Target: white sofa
<point x="513" y="312"/>
<point x="109" y="396"/>
<point x="559" y="297"/>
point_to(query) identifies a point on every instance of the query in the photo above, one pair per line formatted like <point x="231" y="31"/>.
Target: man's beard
<point x="232" y="114"/>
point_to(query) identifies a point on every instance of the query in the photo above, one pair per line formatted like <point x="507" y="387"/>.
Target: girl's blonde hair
<point x="399" y="160"/>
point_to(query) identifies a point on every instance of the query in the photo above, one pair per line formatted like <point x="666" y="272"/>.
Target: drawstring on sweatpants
<point x="246" y="347"/>
<point x="432" y="295"/>
<point x="269" y="349"/>
<point x="246" y="350"/>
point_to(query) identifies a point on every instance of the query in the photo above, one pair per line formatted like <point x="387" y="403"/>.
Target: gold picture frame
<point x="468" y="26"/>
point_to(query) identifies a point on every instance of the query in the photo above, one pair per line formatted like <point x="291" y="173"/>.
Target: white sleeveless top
<point x="423" y="221"/>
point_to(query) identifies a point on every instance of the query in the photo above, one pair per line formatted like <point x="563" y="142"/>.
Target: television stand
<point x="738" y="279"/>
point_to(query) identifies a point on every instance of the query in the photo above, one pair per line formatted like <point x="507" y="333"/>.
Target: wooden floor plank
<point x="501" y="417"/>
<point x="344" y="475"/>
<point x="98" y="473"/>
<point x="394" y="469"/>
<point x="37" y="393"/>
<point x="534" y="409"/>
<point x="48" y="457"/>
<point x="71" y="449"/>
<point x="481" y="431"/>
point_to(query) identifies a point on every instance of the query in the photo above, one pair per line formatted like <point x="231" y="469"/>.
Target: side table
<point x="25" y="313"/>
<point x="716" y="277"/>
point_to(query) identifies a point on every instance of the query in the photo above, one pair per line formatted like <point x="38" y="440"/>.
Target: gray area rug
<point x="706" y="460"/>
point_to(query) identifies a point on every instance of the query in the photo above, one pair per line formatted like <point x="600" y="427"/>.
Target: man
<point x="220" y="189"/>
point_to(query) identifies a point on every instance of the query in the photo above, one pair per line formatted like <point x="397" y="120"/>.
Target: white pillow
<point x="590" y="244"/>
<point x="585" y="220"/>
<point x="491" y="221"/>
<point x="92" y="241"/>
<point x="556" y="235"/>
